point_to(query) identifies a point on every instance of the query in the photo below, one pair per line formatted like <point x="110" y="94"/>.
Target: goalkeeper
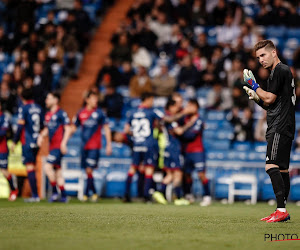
<point x="279" y="101"/>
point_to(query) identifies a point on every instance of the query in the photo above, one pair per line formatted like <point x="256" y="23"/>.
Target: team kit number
<point x="141" y="128"/>
<point x="294" y="93"/>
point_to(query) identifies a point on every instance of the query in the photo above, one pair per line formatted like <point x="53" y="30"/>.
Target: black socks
<point x="278" y="186"/>
<point x="286" y="181"/>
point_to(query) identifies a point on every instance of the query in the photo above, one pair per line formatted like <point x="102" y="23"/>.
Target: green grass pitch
<point x="109" y="224"/>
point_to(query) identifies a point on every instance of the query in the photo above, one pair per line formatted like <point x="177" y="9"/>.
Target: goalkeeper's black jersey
<point x="281" y="113"/>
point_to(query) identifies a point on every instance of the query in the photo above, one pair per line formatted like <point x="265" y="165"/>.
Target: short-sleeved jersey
<point x="91" y="122"/>
<point x="31" y="117"/>
<point x="4" y="126"/>
<point x="192" y="138"/>
<point x="172" y="140"/>
<point x="55" y="122"/>
<point x="281" y="113"/>
<point x="141" y="122"/>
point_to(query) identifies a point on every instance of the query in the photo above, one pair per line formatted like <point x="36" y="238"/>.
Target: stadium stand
<point x="186" y="36"/>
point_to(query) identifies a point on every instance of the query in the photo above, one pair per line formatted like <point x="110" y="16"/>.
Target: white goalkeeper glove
<point x="252" y="95"/>
<point x="250" y="79"/>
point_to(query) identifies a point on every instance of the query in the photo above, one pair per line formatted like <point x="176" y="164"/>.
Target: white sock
<point x="282" y="209"/>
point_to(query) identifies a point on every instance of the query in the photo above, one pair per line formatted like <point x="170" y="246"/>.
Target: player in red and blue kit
<point x="193" y="149"/>
<point x="4" y="126"/>
<point x="91" y="119"/>
<point x="173" y="166"/>
<point x="29" y="126"/>
<point x="145" y="148"/>
<point x="57" y="127"/>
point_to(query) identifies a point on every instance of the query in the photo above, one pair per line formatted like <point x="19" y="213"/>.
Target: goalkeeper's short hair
<point x="268" y="44"/>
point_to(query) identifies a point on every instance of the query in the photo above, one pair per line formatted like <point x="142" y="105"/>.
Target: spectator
<point x="208" y="76"/>
<point x="41" y="83"/>
<point x="188" y="75"/>
<point x="146" y="38"/>
<point x="8" y="99"/>
<point x="55" y="51"/>
<point x="161" y="28"/>
<point x="83" y="24"/>
<point x="33" y="46"/>
<point x="163" y="84"/>
<point x="243" y="126"/>
<point x="199" y="61"/>
<point x="70" y="46"/>
<point x="140" y="83"/>
<point x="219" y="98"/>
<point x="126" y="73"/>
<point x="184" y="49"/>
<point x="121" y="51"/>
<point x="202" y="44"/>
<point x="261" y="128"/>
<point x="228" y="33"/>
<point x="113" y="102"/>
<point x="234" y="73"/>
<point x="199" y="14"/>
<point x="4" y="41"/>
<point x="140" y="56"/>
<point x="218" y="14"/>
<point x="110" y="69"/>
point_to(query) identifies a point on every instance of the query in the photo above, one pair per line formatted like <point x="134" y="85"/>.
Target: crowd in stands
<point x="200" y="48"/>
<point x="40" y="45"/>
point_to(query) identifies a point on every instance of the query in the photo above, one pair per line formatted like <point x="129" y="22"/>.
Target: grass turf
<point x="110" y="224"/>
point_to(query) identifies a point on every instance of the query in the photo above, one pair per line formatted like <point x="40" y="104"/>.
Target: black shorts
<point x="279" y="150"/>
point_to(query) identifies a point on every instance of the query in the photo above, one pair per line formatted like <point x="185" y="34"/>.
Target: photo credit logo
<point x="281" y="237"/>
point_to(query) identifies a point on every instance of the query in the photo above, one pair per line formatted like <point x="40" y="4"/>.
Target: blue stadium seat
<point x="73" y="151"/>
<point x="260" y="146"/>
<point x="217" y="144"/>
<point x="275" y="31"/>
<point x="267" y="192"/>
<point x="295" y="188"/>
<point x="215" y="115"/>
<point x="293" y="32"/>
<point x="242" y="146"/>
<point x="292" y="43"/>
<point x="115" y="184"/>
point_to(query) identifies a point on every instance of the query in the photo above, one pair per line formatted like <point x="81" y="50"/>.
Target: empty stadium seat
<point x="215" y="115"/>
<point x="242" y="146"/>
<point x="267" y="192"/>
<point x="295" y="189"/>
<point x="115" y="184"/>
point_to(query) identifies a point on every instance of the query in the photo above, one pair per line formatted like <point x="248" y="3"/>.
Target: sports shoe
<point x="13" y="195"/>
<point x="64" y="200"/>
<point x="190" y="198"/>
<point x="159" y="198"/>
<point x="85" y="198"/>
<point x="279" y="216"/>
<point x="32" y="200"/>
<point x="127" y="199"/>
<point x="53" y="198"/>
<point x="268" y="217"/>
<point x="181" y="202"/>
<point x="94" y="198"/>
<point x="206" y="201"/>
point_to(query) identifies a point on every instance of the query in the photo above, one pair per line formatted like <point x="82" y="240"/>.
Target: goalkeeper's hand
<point x="250" y="79"/>
<point x="252" y="95"/>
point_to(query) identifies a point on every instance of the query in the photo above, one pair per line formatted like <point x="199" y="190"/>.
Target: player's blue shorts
<point x="90" y="158"/>
<point x="55" y="157"/>
<point x="146" y="155"/>
<point x="29" y="154"/>
<point x="172" y="159"/>
<point x="3" y="160"/>
<point x="194" y="161"/>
